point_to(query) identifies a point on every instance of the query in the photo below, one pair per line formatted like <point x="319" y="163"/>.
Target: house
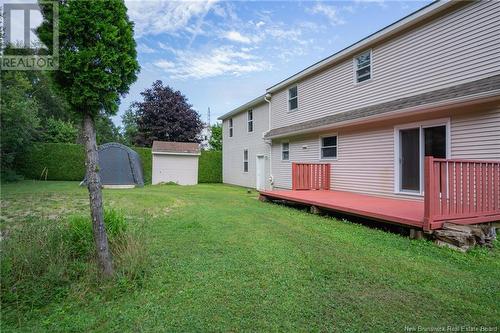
<point x="175" y="162"/>
<point x="408" y="117"/>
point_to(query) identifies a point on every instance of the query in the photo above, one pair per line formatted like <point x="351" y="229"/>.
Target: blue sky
<point x="221" y="54"/>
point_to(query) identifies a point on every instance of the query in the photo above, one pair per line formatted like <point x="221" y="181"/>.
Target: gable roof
<point x="176" y="148"/>
<point x="488" y="87"/>
<point x="254" y="102"/>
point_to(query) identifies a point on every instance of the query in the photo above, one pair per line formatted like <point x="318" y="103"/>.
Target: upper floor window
<point x="362" y="66"/>
<point x="250" y="120"/>
<point x="245" y="160"/>
<point x="292" y="99"/>
<point x="285" y="151"/>
<point x="329" y="147"/>
<point x="230" y="127"/>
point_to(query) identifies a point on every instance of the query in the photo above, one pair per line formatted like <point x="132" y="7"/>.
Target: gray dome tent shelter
<point x="119" y="166"/>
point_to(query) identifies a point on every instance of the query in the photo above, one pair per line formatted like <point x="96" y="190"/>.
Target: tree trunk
<point x="95" y="195"/>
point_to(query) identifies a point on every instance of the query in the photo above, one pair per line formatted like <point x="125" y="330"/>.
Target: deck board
<point x="404" y="212"/>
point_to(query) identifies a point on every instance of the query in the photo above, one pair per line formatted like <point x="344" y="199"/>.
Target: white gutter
<point x="365" y="43"/>
<point x="484" y="97"/>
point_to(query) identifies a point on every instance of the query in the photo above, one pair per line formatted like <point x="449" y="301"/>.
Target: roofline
<point x="244" y="107"/>
<point x="484" y="97"/>
<point x="401" y="24"/>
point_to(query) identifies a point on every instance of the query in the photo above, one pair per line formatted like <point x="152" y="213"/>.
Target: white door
<point x="260" y="173"/>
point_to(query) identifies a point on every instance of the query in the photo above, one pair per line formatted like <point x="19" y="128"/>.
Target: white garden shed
<point x="175" y="162"/>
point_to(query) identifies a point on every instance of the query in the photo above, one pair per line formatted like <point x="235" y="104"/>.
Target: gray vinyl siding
<point x="462" y="46"/>
<point x="233" y="147"/>
<point x="365" y="158"/>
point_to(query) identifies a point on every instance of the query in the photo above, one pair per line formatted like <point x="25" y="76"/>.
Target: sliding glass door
<point x="415" y="143"/>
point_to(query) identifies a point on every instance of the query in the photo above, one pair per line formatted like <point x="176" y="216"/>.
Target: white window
<point x="245" y="160"/>
<point x="230" y="127"/>
<point x="362" y="66"/>
<point x="329" y="147"/>
<point x="293" y="102"/>
<point x="285" y="151"/>
<point x="250" y="120"/>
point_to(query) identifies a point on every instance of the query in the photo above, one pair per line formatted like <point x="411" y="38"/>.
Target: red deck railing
<point x="310" y="176"/>
<point x="460" y="191"/>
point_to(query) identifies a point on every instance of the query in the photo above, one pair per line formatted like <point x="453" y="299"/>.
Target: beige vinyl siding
<point x="365" y="159"/>
<point x="233" y="147"/>
<point x="476" y="136"/>
<point x="462" y="46"/>
<point x="364" y="164"/>
<point x="180" y="169"/>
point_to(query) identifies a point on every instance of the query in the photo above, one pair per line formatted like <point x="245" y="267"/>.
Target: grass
<point x="223" y="261"/>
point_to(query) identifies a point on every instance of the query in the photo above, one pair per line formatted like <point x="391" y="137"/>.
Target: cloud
<point x="224" y="60"/>
<point x="330" y="12"/>
<point x="235" y="36"/>
<point x="143" y="48"/>
<point x="164" y="16"/>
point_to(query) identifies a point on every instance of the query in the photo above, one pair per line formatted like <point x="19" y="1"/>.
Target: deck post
<point x="428" y="192"/>
<point x="294" y="176"/>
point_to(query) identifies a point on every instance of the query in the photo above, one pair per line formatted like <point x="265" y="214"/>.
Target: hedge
<point x="210" y="167"/>
<point x="65" y="161"/>
<point x="54" y="161"/>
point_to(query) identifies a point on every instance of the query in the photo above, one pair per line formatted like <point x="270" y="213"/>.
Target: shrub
<point x="80" y="237"/>
<point x="54" y="161"/>
<point x="42" y="259"/>
<point x="210" y="167"/>
<point x="146" y="161"/>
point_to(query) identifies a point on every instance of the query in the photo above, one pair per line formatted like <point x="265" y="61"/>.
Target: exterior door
<point x="414" y="144"/>
<point x="260" y="173"/>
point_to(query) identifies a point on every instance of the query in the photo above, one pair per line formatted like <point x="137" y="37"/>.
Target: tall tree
<point x="165" y="114"/>
<point x="97" y="64"/>
<point x="129" y="121"/>
<point x="18" y="117"/>
<point x="215" y="141"/>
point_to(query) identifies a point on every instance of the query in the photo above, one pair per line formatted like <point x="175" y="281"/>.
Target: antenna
<point x="209" y="116"/>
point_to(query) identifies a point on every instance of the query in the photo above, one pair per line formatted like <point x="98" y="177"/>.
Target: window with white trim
<point x="230" y="127"/>
<point x="329" y="147"/>
<point x="285" y="151"/>
<point x="250" y="120"/>
<point x="245" y="160"/>
<point x="293" y="100"/>
<point x="362" y="66"/>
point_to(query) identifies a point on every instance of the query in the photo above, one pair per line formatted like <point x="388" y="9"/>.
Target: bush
<point x="54" y="161"/>
<point x="146" y="161"/>
<point x="42" y="259"/>
<point x="80" y="237"/>
<point x="65" y="161"/>
<point x="210" y="167"/>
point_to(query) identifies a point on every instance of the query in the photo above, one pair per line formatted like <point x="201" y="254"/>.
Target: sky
<point x="222" y="54"/>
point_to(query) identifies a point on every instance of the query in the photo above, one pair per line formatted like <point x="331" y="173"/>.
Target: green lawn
<point x="223" y="261"/>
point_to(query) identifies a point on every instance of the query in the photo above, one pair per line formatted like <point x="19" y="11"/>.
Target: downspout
<point x="267" y="98"/>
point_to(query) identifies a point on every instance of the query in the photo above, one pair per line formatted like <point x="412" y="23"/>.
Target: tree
<point x="215" y="142"/>
<point x="129" y="121"/>
<point x="106" y="130"/>
<point x="97" y="64"/>
<point x="18" y="117"/>
<point x="166" y="115"/>
<point x="56" y="130"/>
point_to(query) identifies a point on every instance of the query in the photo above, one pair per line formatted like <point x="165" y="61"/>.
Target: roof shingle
<point x="176" y="147"/>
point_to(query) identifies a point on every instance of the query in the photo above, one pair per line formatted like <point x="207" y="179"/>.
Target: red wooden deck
<point x="403" y="212"/>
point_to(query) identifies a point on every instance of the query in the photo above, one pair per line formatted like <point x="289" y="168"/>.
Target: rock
<point x="464" y="237"/>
